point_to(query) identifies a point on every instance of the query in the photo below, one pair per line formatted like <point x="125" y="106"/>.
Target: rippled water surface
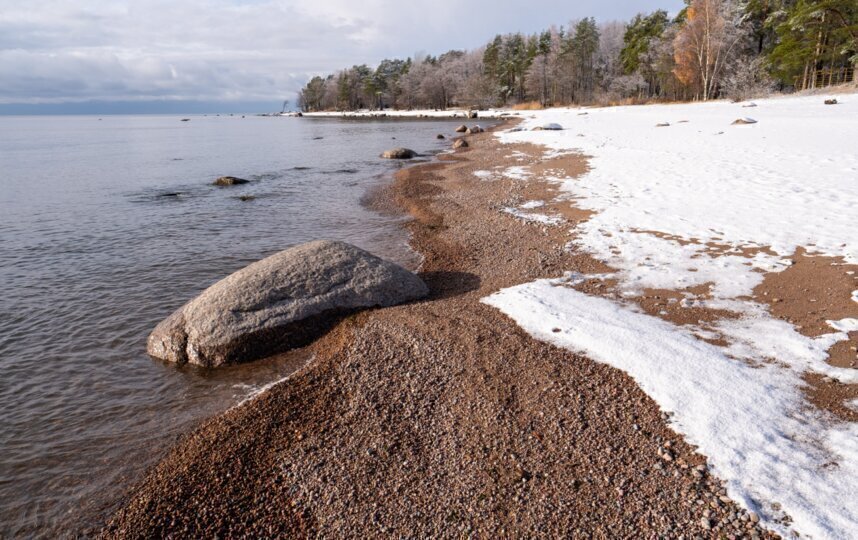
<point x="108" y="225"/>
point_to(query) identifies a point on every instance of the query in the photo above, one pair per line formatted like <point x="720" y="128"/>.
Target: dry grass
<point x="528" y="106"/>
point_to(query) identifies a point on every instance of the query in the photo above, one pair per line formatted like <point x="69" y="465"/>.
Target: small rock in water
<point x="460" y="143"/>
<point x="461" y="129"/>
<point x="831" y="102"/>
<point x="399" y="153"/>
<point x="552" y="126"/>
<point x="439" y="137"/>
<point x="230" y="181"/>
<point x="663" y="124"/>
<point x="246" y="197"/>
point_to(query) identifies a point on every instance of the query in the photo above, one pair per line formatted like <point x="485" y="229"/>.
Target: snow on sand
<point x="702" y="202"/>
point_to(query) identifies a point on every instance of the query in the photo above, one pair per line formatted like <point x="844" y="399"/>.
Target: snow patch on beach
<point x="844" y="325"/>
<point x="699" y="202"/>
<point x="517" y="173"/>
<point x="749" y="420"/>
<point x="532" y="217"/>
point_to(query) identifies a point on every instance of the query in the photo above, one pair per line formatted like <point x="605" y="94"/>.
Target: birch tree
<point x="705" y="44"/>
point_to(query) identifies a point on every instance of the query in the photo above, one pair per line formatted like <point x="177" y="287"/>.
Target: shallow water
<point x="109" y="224"/>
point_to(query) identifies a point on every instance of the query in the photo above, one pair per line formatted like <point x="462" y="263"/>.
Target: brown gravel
<point x="442" y="418"/>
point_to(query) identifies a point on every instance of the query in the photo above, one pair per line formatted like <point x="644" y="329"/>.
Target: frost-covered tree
<point x="709" y="47"/>
<point x="705" y="43"/>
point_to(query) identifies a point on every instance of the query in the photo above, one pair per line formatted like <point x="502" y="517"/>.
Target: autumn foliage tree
<point x="705" y="44"/>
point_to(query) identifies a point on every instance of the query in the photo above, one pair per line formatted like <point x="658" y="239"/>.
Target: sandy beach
<point x="443" y="418"/>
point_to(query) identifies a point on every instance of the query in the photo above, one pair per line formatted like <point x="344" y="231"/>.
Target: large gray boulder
<point x="281" y="302"/>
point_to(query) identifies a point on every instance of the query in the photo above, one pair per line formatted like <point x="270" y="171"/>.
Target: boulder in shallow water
<point x="461" y="129"/>
<point x="460" y="143"/>
<point x="399" y="153"/>
<point x="281" y="302"/>
<point x="230" y="181"/>
<point x="831" y="101"/>
<point x="440" y="137"/>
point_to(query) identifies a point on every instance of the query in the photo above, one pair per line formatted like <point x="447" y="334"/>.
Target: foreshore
<point x="442" y="418"/>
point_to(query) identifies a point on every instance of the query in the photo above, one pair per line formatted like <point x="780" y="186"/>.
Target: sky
<point x="115" y="56"/>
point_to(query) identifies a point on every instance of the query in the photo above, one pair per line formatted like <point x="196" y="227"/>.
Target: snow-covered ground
<point x="663" y="197"/>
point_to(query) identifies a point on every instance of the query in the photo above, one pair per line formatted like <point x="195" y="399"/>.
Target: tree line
<point x="710" y="49"/>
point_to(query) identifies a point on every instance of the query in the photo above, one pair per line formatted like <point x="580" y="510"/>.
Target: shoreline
<point x="442" y="417"/>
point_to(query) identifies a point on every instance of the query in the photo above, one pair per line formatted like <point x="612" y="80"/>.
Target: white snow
<point x="749" y="421"/>
<point x="699" y="202"/>
<point x="533" y="217"/>
<point x="517" y="173"/>
<point x="844" y="325"/>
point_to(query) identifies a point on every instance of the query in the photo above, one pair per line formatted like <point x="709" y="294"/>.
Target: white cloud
<point x="74" y="50"/>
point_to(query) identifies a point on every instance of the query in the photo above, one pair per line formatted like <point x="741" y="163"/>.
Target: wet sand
<point x="442" y="418"/>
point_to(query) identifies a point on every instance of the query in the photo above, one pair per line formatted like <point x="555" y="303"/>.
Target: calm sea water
<point x="109" y="224"/>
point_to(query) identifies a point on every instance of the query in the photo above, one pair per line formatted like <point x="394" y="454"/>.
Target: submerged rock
<point x="281" y="302"/>
<point x="460" y="143"/>
<point x="230" y="181"/>
<point x="399" y="153"/>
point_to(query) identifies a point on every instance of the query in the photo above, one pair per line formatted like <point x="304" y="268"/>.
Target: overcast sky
<point x="139" y="55"/>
